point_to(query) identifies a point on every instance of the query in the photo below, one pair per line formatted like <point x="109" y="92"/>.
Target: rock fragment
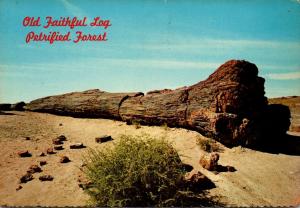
<point x="34" y="169"/>
<point x="64" y="159"/>
<point x="19" y="188"/>
<point x="50" y="151"/>
<point x="56" y="141"/>
<point x="25" y="178"/>
<point x="62" y="138"/>
<point x="58" y="147"/>
<point x="104" y="138"/>
<point x="77" y="146"/>
<point x="46" y="178"/>
<point x="42" y="154"/>
<point x="210" y="162"/>
<point x="24" y="153"/>
<point x="43" y="162"/>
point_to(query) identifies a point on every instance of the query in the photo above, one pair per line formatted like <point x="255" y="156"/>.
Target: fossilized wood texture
<point x="222" y="106"/>
<point x="89" y="104"/>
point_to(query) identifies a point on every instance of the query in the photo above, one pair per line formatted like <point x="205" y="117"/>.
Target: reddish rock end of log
<point x="223" y="106"/>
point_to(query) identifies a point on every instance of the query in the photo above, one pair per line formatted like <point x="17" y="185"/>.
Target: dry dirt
<point x="261" y="179"/>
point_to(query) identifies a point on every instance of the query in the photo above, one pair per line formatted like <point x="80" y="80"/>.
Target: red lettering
<point x="29" y="36"/>
<point x="30" y="21"/>
<point x="26" y="21"/>
<point x="100" y="23"/>
<point x="89" y="37"/>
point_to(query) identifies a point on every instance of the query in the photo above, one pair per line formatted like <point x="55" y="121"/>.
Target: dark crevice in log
<point x="123" y="99"/>
<point x="139" y="94"/>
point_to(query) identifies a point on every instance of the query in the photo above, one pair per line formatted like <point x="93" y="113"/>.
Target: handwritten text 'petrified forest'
<point x="48" y="32"/>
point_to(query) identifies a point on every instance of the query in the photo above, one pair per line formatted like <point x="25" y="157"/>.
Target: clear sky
<point x="151" y="45"/>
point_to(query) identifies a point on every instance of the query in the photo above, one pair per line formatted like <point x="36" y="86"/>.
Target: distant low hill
<point x="293" y="102"/>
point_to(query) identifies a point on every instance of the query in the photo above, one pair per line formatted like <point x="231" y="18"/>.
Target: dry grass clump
<point x="138" y="171"/>
<point x="208" y="145"/>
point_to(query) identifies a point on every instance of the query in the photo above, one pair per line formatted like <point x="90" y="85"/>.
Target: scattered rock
<point x="27" y="138"/>
<point x="50" y="151"/>
<point x="64" y="159"/>
<point x="34" y="169"/>
<point x="46" y="178"/>
<point x="58" y="147"/>
<point x="43" y="162"/>
<point x="19" y="188"/>
<point x="60" y="124"/>
<point x="210" y="162"/>
<point x="24" y="153"/>
<point x="62" y="138"/>
<point x="195" y="180"/>
<point x="25" y="178"/>
<point x="42" y="154"/>
<point x="77" y="146"/>
<point x="104" y="138"/>
<point x="57" y="141"/>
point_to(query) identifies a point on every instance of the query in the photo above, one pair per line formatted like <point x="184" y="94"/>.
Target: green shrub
<point x="208" y="145"/>
<point x="165" y="126"/>
<point x="136" y="124"/>
<point x="138" y="171"/>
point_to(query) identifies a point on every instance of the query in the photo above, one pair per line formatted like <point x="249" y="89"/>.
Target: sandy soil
<point x="261" y="179"/>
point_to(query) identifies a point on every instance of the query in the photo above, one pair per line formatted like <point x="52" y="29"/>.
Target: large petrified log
<point x="223" y="106"/>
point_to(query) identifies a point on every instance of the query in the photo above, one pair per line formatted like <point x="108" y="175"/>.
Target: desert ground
<point x="260" y="179"/>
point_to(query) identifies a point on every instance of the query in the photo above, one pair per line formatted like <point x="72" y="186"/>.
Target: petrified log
<point x="5" y="106"/>
<point x="223" y="106"/>
<point x="12" y="107"/>
<point x="90" y="104"/>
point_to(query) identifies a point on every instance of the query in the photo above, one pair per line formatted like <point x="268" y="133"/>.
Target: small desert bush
<point x="208" y="145"/>
<point x="138" y="171"/>
<point x="136" y="124"/>
<point x="165" y="126"/>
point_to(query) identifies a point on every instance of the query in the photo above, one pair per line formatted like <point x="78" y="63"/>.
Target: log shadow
<point x="227" y="168"/>
<point x="198" y="194"/>
<point x="272" y="127"/>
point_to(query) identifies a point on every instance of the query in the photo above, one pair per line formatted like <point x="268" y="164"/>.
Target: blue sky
<point x="151" y="45"/>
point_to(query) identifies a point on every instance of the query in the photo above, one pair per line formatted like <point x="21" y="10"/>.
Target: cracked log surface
<point x="223" y="106"/>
